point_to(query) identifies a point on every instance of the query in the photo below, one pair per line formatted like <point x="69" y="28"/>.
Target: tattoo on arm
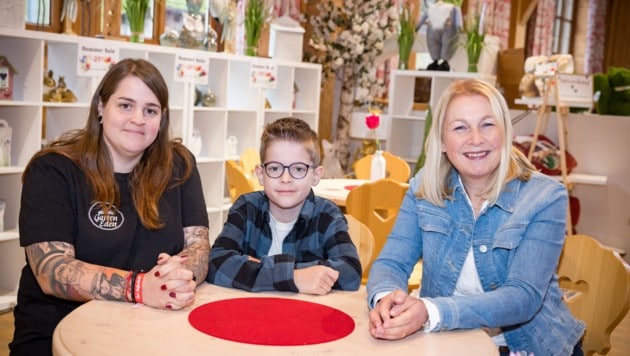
<point x="197" y="247"/>
<point x="60" y="274"/>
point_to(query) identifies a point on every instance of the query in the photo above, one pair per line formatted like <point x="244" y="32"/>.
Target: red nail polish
<point x="172" y="294"/>
<point x="168" y="306"/>
<point x="157" y="273"/>
<point x="163" y="287"/>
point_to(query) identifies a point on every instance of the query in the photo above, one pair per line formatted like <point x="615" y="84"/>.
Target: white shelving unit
<point x="239" y="111"/>
<point x="406" y="126"/>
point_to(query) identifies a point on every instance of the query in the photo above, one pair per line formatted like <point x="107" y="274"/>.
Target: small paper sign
<point x="191" y="69"/>
<point x="94" y="60"/>
<point x="263" y="74"/>
<point x="575" y="88"/>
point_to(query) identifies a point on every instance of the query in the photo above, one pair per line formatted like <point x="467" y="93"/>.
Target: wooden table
<point x="336" y="189"/>
<point x="117" y="328"/>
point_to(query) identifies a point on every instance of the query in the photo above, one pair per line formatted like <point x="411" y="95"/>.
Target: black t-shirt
<point x="56" y="205"/>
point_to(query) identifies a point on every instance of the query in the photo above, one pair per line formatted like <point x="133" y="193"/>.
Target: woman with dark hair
<point x="112" y="211"/>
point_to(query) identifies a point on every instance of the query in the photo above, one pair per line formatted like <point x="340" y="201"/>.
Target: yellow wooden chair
<point x="376" y="205"/>
<point x="596" y="282"/>
<point x="363" y="240"/>
<point x="249" y="159"/>
<point x="396" y="168"/>
<point x="236" y="180"/>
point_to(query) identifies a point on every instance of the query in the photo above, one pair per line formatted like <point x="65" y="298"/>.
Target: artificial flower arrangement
<point x="406" y="33"/>
<point x="475" y="36"/>
<point x="351" y="34"/>
<point x="373" y="121"/>
<point x="257" y="14"/>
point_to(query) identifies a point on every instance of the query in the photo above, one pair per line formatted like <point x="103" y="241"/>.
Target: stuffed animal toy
<point x="613" y="91"/>
<point x="330" y="162"/>
<point x="444" y="22"/>
<point x="537" y="67"/>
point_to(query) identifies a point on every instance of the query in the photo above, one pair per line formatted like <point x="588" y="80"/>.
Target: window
<point x="43" y="15"/>
<point x="563" y="26"/>
<point x="176" y="9"/>
<point x="38" y="12"/>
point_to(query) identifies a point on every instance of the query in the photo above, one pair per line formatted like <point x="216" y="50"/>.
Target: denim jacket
<point x="516" y="244"/>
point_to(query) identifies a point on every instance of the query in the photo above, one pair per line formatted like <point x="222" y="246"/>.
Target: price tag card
<point x="263" y="74"/>
<point x="95" y="59"/>
<point x="191" y="68"/>
<point x="575" y="88"/>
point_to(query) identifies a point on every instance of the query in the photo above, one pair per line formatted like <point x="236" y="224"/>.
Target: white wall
<point x="601" y="146"/>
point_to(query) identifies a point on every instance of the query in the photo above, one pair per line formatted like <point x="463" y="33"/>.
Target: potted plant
<point x="475" y="36"/>
<point x="256" y="15"/>
<point x="136" y="10"/>
<point x="406" y="35"/>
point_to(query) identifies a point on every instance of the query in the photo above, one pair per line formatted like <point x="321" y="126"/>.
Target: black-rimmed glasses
<point x="297" y="170"/>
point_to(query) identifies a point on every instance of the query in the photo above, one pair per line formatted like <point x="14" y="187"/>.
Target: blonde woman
<point x="489" y="229"/>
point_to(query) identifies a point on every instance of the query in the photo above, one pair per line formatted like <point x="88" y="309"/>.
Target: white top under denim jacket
<point x="516" y="245"/>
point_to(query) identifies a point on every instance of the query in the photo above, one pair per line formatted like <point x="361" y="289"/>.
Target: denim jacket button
<point x="483" y="248"/>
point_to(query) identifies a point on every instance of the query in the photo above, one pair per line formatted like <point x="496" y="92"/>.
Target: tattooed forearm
<point x="60" y="274"/>
<point x="197" y="247"/>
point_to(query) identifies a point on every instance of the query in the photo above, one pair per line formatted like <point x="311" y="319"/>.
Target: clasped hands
<point x="169" y="285"/>
<point x="397" y="315"/>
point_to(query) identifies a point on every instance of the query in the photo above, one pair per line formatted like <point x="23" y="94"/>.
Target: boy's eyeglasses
<point x="297" y="170"/>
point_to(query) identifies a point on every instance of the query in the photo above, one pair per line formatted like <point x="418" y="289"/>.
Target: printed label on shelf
<point x="263" y="74"/>
<point x="191" y="69"/>
<point x="94" y="60"/>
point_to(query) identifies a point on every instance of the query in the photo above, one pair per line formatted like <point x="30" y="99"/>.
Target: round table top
<point x="117" y="328"/>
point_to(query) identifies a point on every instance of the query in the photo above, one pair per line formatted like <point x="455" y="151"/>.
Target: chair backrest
<point x="249" y="159"/>
<point x="396" y="169"/>
<point x="596" y="282"/>
<point x="236" y="181"/>
<point x="363" y="240"/>
<point x="376" y="205"/>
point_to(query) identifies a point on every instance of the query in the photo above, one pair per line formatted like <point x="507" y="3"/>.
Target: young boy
<point x="285" y="238"/>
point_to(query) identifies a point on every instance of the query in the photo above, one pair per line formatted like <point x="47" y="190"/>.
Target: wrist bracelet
<point x="137" y="288"/>
<point x="129" y="287"/>
<point x="134" y="277"/>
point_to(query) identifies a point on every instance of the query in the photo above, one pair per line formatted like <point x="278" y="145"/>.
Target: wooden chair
<point x="376" y="205"/>
<point x="249" y="159"/>
<point x="596" y="282"/>
<point x="397" y="169"/>
<point x="236" y="180"/>
<point x="363" y="239"/>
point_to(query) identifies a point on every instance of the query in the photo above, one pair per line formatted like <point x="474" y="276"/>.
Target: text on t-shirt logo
<point x="113" y="220"/>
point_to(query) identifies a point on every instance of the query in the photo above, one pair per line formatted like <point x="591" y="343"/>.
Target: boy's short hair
<point x="290" y="129"/>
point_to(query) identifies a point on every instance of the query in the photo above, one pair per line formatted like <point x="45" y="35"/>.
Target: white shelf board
<point x="9" y="235"/>
<point x="538" y="101"/>
<point x="581" y="178"/>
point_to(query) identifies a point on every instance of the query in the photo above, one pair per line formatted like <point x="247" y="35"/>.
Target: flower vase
<point x="473" y="50"/>
<point x="378" y="165"/>
<point x="251" y="50"/>
<point x="137" y="37"/>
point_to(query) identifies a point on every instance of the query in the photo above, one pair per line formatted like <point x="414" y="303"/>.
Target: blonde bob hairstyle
<point x="436" y="171"/>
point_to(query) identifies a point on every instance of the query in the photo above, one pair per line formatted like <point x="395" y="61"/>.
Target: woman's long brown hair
<point x="152" y="175"/>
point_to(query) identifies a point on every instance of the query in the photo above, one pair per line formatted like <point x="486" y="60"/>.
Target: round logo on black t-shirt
<point x="112" y="221"/>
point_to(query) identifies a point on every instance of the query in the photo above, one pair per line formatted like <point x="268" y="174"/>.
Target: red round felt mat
<point x="271" y="321"/>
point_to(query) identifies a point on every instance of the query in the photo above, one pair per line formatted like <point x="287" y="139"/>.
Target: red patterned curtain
<point x="543" y="28"/>
<point x="595" y="37"/>
<point x="497" y="19"/>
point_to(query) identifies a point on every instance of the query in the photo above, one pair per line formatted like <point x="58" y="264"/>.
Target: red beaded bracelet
<point x="137" y="288"/>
